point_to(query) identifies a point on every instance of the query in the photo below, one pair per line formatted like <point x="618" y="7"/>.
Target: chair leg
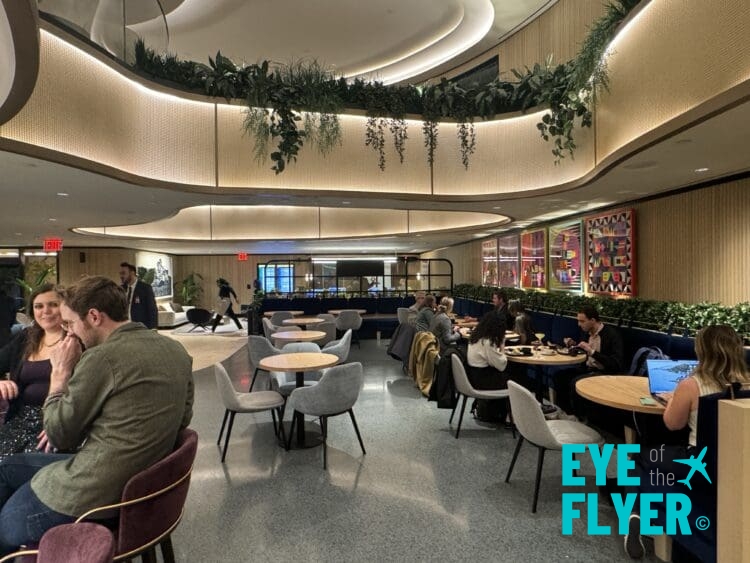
<point x="324" y="431"/>
<point x="273" y="418"/>
<point x="512" y="422"/>
<point x="149" y="556"/>
<point x="539" y="464"/>
<point x="291" y="431"/>
<point x="356" y="429"/>
<point x="223" y="423"/>
<point x="255" y="374"/>
<point x="450" y="420"/>
<point x="229" y="431"/>
<point x="515" y="456"/>
<point x="281" y="429"/>
<point x="461" y="416"/>
<point x="167" y="553"/>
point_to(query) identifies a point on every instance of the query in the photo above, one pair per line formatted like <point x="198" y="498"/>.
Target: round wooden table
<point x="338" y="311"/>
<point x="466" y="332"/>
<point x="298" y="336"/>
<point x="466" y="324"/>
<point x="299" y="363"/>
<point x="303" y="322"/>
<point x="621" y="392"/>
<point x="294" y="313"/>
<point x="541" y="362"/>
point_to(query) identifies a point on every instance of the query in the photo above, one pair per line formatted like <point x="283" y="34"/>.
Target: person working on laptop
<point x="604" y="351"/>
<point x="721" y="362"/>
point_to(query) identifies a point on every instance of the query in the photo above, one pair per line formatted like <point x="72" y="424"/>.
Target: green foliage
<point x="37" y="273"/>
<point x="277" y="97"/>
<point x="190" y="289"/>
<point x="669" y="316"/>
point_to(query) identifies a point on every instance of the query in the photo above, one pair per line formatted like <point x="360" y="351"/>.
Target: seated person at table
<point x="123" y="401"/>
<point x="26" y="358"/>
<point x="604" y="354"/>
<point x="521" y="323"/>
<point x="425" y="314"/>
<point x="500" y="302"/>
<point x="721" y="362"/>
<point x="486" y="361"/>
<point x="418" y="300"/>
<point x="441" y="326"/>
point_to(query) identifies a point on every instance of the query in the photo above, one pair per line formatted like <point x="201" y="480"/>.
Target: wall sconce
<point x="419" y="276"/>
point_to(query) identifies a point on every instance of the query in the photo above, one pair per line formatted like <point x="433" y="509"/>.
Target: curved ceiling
<point x="19" y="48"/>
<point x="390" y="40"/>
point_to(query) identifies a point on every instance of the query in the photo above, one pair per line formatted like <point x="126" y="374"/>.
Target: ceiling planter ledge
<point x="265" y="222"/>
<point x="19" y="55"/>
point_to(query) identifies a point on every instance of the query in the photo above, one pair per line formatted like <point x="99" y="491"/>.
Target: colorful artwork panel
<point x="565" y="257"/>
<point x="489" y="262"/>
<point x="508" y="261"/>
<point x="533" y="259"/>
<point x="610" y="253"/>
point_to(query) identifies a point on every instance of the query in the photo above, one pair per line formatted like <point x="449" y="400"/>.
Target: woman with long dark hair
<point x="27" y="360"/>
<point x="226" y="293"/>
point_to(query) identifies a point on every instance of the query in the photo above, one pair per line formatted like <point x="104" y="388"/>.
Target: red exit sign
<point x="53" y="244"/>
<point x="242" y="256"/>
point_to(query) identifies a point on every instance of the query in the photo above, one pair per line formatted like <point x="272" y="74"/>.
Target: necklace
<point x="55" y="342"/>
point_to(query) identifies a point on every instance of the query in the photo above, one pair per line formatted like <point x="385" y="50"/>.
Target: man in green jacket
<point x="119" y="405"/>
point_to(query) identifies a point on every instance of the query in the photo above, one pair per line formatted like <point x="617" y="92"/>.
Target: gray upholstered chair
<point x="258" y="347"/>
<point x="542" y="433"/>
<point x="340" y="347"/>
<point x="335" y="394"/>
<point x="286" y="382"/>
<point x="329" y="327"/>
<point x="235" y="402"/>
<point x="403" y="315"/>
<point x="279" y="316"/>
<point x="463" y="387"/>
<point x="349" y="319"/>
<point x="269" y="328"/>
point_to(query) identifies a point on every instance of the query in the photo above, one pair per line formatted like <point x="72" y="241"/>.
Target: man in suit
<point x="141" y="300"/>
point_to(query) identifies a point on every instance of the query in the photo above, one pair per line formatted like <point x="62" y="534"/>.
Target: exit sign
<point x="53" y="244"/>
<point x="242" y="256"/>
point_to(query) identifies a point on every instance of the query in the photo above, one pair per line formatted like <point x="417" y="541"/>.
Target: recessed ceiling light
<point x="18" y="234"/>
<point x="346" y="202"/>
<point x="701" y="170"/>
<point x="496" y="207"/>
<point x="52" y="219"/>
<point x="63" y="194"/>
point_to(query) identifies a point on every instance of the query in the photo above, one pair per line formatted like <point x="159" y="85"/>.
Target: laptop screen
<point x="664" y="375"/>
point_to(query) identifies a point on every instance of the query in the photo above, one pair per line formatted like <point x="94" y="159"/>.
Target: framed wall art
<point x="489" y="262"/>
<point x="161" y="267"/>
<point x="508" y="261"/>
<point x="610" y="253"/>
<point x="565" y="256"/>
<point x="534" y="259"/>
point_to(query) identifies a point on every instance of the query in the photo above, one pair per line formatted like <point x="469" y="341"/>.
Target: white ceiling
<point x="34" y="210"/>
<point x="392" y="40"/>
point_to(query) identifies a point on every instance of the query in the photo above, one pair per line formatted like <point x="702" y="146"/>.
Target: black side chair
<point x="199" y="318"/>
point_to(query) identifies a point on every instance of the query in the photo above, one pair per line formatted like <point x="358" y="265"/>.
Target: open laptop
<point x="664" y="375"/>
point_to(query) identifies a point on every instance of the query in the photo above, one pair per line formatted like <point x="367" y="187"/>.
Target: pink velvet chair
<point x="83" y="542"/>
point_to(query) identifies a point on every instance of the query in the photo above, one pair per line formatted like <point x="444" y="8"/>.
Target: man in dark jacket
<point x="140" y="295"/>
<point x="500" y="302"/>
<point x="604" y="350"/>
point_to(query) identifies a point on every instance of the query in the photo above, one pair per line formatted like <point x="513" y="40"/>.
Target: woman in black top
<point x="226" y="293"/>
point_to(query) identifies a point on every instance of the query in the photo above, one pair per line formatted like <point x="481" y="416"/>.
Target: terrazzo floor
<point x="418" y="495"/>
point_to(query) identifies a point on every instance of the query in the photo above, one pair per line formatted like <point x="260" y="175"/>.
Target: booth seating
<point x="380" y="317"/>
<point x="556" y="327"/>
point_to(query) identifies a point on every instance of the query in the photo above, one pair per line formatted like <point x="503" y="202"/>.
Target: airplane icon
<point x="696" y="464"/>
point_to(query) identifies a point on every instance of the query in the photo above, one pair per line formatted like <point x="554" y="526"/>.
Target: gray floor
<point x="418" y="495"/>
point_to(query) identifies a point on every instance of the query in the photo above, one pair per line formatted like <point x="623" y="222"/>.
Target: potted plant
<point x="191" y="289"/>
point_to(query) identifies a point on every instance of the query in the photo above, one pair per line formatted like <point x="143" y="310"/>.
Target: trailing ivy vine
<point x="289" y="105"/>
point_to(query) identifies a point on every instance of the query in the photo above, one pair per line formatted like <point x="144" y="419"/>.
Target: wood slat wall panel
<point x="99" y="262"/>
<point x="558" y="31"/>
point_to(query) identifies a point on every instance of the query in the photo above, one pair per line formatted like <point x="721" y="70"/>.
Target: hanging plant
<point x="569" y="90"/>
<point x="375" y="138"/>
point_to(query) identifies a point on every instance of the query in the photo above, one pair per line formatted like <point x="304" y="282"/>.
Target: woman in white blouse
<point x="486" y="357"/>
